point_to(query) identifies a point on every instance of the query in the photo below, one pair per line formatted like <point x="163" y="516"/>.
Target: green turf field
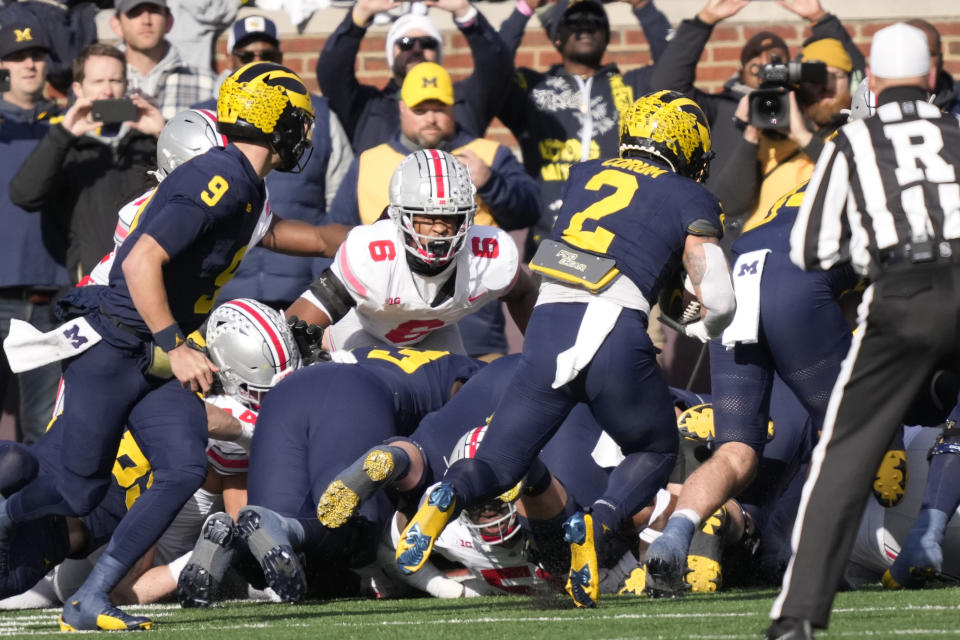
<point x="869" y="613"/>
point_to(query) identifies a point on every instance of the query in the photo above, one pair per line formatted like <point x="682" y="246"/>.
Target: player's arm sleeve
<point x="510" y="193"/>
<point x="707" y="267"/>
<point x="816" y="239"/>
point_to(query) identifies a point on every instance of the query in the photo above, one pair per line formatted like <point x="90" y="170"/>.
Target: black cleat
<point x="200" y="579"/>
<point x="272" y="550"/>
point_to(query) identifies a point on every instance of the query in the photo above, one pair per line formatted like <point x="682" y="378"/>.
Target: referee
<point x="885" y="196"/>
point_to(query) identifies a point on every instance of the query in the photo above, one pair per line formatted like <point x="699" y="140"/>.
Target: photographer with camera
<point x="94" y="160"/>
<point x="785" y="122"/>
<point x="676" y="69"/>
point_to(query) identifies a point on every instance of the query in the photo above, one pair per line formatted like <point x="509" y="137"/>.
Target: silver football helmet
<point x="187" y="134"/>
<point x="494" y="521"/>
<point x="432" y="182"/>
<point x="863" y="104"/>
<point x="252" y="346"/>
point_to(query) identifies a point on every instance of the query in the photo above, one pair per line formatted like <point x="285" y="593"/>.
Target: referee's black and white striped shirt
<point x="882" y="183"/>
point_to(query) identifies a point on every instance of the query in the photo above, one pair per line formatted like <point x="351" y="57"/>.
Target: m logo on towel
<point x="748" y="268"/>
<point x="73" y="335"/>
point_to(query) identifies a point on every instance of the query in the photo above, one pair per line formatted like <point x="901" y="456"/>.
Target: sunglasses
<point x="266" y="55"/>
<point x="407" y="43"/>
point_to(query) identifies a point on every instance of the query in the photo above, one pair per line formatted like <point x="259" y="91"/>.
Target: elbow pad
<point x="332" y="295"/>
<point x="716" y="291"/>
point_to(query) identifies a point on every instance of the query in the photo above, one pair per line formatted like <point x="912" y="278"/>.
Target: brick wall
<point x="627" y="48"/>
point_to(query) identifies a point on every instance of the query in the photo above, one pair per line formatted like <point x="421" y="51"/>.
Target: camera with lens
<point x="769" y="104"/>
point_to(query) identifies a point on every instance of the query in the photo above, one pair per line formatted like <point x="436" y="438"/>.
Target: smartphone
<point x="4" y="80"/>
<point x="108" y="111"/>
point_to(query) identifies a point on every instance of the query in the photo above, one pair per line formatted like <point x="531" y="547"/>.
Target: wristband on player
<point x="169" y="338"/>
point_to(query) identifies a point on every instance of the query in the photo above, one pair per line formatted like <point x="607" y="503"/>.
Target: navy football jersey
<point x="203" y="215"/>
<point x="420" y="380"/>
<point x="635" y="212"/>
<point x="773" y="230"/>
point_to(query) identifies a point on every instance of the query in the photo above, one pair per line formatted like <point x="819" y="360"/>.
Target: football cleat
<point x="921" y="557"/>
<point x="583" y="582"/>
<point x="890" y="483"/>
<point x="200" y="579"/>
<point x="99" y="615"/>
<point x="635" y="582"/>
<point x="416" y="541"/>
<point x="696" y="423"/>
<point x="666" y="558"/>
<point x="704" y="571"/>
<point x="271" y="548"/>
<point x="343" y="497"/>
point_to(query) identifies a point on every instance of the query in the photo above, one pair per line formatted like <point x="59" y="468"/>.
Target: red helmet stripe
<point x="212" y="117"/>
<point x="475" y="436"/>
<point x="438" y="168"/>
<point x="268" y="329"/>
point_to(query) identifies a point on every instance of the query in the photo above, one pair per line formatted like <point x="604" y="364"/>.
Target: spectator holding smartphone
<point x="31" y="250"/>
<point x="83" y="170"/>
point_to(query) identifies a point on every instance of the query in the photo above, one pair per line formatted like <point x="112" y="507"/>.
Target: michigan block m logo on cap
<point x="23" y="35"/>
<point x="430" y="82"/>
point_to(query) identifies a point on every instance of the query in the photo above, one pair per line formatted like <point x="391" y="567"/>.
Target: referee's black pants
<point x="908" y="328"/>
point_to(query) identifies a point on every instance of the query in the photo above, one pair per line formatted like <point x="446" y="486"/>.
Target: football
<point x="678" y="300"/>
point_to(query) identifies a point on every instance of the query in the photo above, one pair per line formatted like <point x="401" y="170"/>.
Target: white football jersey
<point x="394" y="303"/>
<point x="229" y="458"/>
<point x="503" y="567"/>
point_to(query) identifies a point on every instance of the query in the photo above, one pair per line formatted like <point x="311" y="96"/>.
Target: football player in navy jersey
<point x="625" y="225"/>
<point x="799" y="332"/>
<point x="127" y="339"/>
<point x="311" y="426"/>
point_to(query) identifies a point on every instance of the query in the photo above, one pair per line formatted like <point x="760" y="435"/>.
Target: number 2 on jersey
<point x="599" y="240"/>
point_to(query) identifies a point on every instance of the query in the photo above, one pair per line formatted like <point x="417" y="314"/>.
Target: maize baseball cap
<point x="427" y="81"/>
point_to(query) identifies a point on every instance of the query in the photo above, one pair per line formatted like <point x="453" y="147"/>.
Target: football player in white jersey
<point x="488" y="541"/>
<point x="407" y="279"/>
